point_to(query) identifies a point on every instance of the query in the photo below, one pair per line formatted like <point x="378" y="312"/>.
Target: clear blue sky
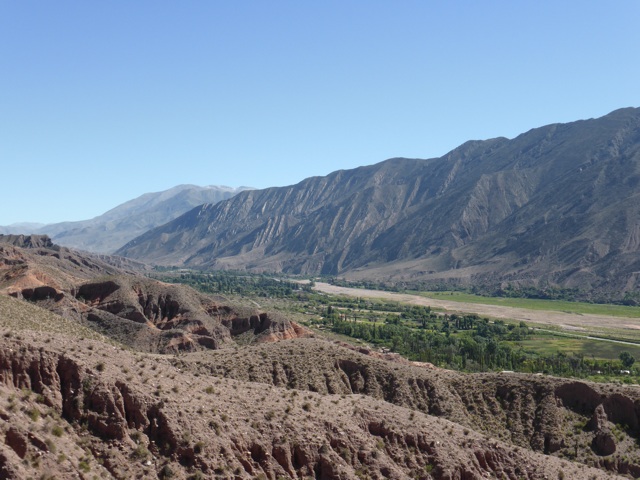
<point x="103" y="101"/>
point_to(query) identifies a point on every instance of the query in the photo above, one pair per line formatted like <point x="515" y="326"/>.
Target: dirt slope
<point x="596" y="424"/>
<point x="99" y="410"/>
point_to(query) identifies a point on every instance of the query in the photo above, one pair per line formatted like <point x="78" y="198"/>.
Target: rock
<point x="621" y="410"/>
<point x="554" y="444"/>
<point x="599" y="419"/>
<point x="105" y="415"/>
<point x="17" y="441"/>
<point x="578" y="396"/>
<point x="7" y="470"/>
<point x="603" y="443"/>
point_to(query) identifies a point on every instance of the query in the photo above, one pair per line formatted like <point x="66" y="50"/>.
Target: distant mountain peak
<point x="106" y="232"/>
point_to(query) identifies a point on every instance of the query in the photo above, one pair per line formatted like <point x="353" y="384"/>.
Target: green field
<point x="549" y="345"/>
<point x="536" y="304"/>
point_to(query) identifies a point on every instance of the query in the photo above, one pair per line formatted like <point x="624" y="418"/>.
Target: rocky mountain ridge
<point x="556" y="205"/>
<point x="109" y="231"/>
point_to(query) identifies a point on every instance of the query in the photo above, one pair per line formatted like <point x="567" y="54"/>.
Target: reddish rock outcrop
<point x="17" y="441"/>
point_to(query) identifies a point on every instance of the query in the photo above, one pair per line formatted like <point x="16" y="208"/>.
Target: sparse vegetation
<point x="199" y="413"/>
<point x="141" y="452"/>
<point x="84" y="466"/>
<point x="34" y="414"/>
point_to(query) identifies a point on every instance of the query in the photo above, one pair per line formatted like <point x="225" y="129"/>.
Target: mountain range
<point x="555" y="205"/>
<point x="109" y="231"/>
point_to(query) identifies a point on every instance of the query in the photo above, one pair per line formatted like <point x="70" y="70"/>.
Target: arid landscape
<point x="161" y="363"/>
<point x="319" y="240"/>
<point x="108" y="374"/>
<point x="554" y="206"/>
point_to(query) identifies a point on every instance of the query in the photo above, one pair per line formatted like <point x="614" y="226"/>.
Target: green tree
<point x="627" y="359"/>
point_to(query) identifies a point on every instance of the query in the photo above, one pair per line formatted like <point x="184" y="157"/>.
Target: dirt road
<point x="568" y="321"/>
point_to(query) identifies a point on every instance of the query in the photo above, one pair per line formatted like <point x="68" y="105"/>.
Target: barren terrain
<point x="556" y="205"/>
<point x="108" y="374"/>
<point x="274" y="411"/>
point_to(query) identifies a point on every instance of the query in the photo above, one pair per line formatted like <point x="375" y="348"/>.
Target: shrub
<point x="50" y="445"/>
<point x="140" y="452"/>
<point x="34" y="414"/>
<point x="166" y="472"/>
<point x="84" y="466"/>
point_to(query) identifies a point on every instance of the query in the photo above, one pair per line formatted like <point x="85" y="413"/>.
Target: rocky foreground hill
<point x="100" y="410"/>
<point x="557" y="205"/>
<point x="99" y="292"/>
<point x="116" y="397"/>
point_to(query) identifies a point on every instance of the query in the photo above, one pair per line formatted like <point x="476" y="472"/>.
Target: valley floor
<point x="564" y="320"/>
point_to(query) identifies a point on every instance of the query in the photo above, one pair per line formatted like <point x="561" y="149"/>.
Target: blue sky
<point x="101" y="102"/>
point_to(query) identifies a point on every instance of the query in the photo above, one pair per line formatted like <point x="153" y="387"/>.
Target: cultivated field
<point x="540" y="312"/>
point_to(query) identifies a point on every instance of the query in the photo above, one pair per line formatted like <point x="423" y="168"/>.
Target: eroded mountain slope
<point x="83" y="393"/>
<point x="557" y="204"/>
<point x="596" y="424"/>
